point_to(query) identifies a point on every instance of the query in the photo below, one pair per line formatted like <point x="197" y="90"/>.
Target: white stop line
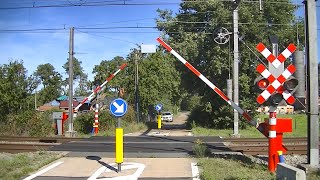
<point x="43" y="170"/>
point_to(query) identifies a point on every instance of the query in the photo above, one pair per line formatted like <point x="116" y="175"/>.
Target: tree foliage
<point x="15" y="89"/>
<point x="84" y="85"/>
<point x="191" y="33"/>
<point x="51" y="81"/>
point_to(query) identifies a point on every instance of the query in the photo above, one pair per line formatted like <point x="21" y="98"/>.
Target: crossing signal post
<point x="275" y="85"/>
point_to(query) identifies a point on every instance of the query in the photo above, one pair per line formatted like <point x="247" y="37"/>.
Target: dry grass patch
<point x="16" y="166"/>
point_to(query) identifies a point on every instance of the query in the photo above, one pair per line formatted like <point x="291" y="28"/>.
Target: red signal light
<point x="263" y="84"/>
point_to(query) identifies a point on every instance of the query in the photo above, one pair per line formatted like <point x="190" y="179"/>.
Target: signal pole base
<point x="235" y="135"/>
<point x="71" y="134"/>
<point x="119" y="168"/>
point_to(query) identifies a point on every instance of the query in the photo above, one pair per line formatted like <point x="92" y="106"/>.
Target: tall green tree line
<point x="191" y="33"/>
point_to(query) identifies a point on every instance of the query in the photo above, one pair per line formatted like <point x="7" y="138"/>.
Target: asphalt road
<point x="140" y="146"/>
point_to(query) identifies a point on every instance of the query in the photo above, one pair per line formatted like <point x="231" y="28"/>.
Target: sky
<point x="91" y="46"/>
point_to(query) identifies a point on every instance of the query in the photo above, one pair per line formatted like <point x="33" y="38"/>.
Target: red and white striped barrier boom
<point x="210" y="84"/>
<point x="89" y="98"/>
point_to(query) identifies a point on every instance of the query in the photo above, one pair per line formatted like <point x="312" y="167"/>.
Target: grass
<point x="16" y="166"/>
<point x="231" y="169"/>
<point x="234" y="169"/>
<point x="199" y="149"/>
<point x="127" y="128"/>
<point x="299" y="128"/>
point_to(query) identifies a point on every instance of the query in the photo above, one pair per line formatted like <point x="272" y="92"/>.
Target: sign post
<point x="118" y="108"/>
<point x="158" y="109"/>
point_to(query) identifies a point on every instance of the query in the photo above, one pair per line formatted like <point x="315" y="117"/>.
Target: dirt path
<point x="175" y="128"/>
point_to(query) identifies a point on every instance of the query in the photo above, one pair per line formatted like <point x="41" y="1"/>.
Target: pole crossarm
<point x="211" y="85"/>
<point x="91" y="96"/>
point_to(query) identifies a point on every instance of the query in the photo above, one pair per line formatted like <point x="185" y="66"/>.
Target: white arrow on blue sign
<point x="158" y="107"/>
<point x="118" y="107"/>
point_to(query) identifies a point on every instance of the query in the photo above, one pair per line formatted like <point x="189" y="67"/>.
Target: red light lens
<point x="263" y="83"/>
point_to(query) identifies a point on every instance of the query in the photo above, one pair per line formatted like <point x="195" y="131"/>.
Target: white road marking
<point x="195" y="171"/>
<point x="43" y="170"/>
<point x="189" y="134"/>
<point x="124" y="166"/>
<point x="157" y="134"/>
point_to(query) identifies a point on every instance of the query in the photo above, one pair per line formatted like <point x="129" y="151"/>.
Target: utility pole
<point x="235" y="67"/>
<point x="71" y="41"/>
<point x="136" y="86"/>
<point x="312" y="82"/>
<point x="35" y="99"/>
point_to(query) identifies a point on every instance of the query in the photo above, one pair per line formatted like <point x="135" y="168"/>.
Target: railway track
<point x="250" y="146"/>
<point x="38" y="139"/>
<point x="259" y="146"/>
<point x="15" y="144"/>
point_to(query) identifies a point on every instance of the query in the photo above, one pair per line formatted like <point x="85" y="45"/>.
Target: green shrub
<point x="208" y="117"/>
<point x="190" y="102"/>
<point x="107" y="122"/>
<point x="199" y="149"/>
<point x="28" y="123"/>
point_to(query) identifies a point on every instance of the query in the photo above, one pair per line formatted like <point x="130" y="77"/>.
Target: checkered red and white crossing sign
<point x="275" y="83"/>
<point x="276" y="62"/>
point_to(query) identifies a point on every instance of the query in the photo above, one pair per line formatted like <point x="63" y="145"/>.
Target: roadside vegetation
<point x="221" y="168"/>
<point x="107" y="123"/>
<point x="233" y="168"/>
<point x="16" y="166"/>
<point x="299" y="128"/>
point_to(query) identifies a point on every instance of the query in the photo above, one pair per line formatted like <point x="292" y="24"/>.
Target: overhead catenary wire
<point x="125" y="3"/>
<point x="106" y="37"/>
<point x="130" y="27"/>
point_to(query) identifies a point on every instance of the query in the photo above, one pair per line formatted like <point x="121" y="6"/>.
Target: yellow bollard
<point x="119" y="145"/>
<point x="159" y="121"/>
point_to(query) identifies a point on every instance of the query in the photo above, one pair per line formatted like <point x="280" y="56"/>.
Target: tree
<point x="191" y="33"/>
<point x="159" y="82"/>
<point x="106" y="68"/>
<point x="13" y="88"/>
<point x="51" y="81"/>
<point x="78" y="74"/>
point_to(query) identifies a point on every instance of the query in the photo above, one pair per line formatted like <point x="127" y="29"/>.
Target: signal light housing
<point x="275" y="99"/>
<point x="261" y="83"/>
<point x="291" y="84"/>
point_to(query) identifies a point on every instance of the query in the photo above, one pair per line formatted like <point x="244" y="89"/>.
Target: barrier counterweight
<point x="210" y="84"/>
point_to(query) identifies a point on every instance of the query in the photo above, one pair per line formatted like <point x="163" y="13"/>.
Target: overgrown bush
<point x="221" y="118"/>
<point x="199" y="149"/>
<point x="107" y="122"/>
<point x="28" y="123"/>
<point x="190" y="102"/>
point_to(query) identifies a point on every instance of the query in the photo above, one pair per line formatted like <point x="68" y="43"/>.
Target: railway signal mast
<point x="275" y="85"/>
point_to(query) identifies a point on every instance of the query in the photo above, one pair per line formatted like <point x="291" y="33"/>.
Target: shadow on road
<point x="97" y="158"/>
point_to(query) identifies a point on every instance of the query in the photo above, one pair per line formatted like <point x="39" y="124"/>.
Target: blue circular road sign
<point x="118" y="107"/>
<point x="158" y="107"/>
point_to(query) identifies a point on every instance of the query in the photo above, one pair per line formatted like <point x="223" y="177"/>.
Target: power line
<point x="106" y="37"/>
<point x="125" y="3"/>
<point x="138" y="27"/>
<point x="32" y="30"/>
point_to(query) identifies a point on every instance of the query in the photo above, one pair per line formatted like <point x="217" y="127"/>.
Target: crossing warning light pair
<point x="274" y="89"/>
<point x="276" y="97"/>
